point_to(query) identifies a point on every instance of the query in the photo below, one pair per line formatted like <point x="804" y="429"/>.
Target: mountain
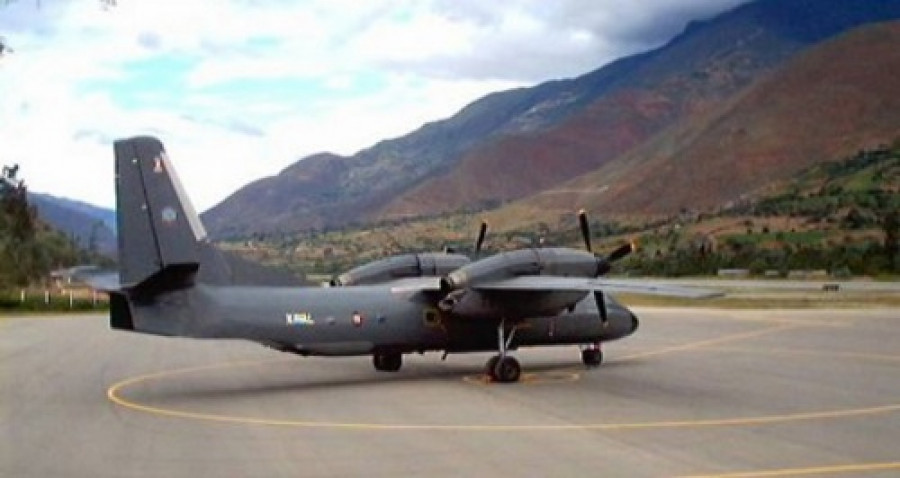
<point x="514" y="144"/>
<point x="830" y="102"/>
<point x="84" y="222"/>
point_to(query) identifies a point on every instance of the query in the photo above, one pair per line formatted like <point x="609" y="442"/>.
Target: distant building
<point x="734" y="273"/>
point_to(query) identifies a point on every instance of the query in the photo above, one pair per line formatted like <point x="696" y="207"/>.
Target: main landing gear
<point x="502" y="367"/>
<point x="388" y="362"/>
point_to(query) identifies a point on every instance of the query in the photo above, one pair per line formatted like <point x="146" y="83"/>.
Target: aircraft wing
<point x="540" y="284"/>
<point x="416" y="284"/>
<point x="556" y="283"/>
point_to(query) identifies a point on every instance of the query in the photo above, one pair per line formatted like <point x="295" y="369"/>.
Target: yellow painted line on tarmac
<point x="843" y="324"/>
<point x="712" y="342"/>
<point x="114" y="395"/>
<point x="818" y="470"/>
<point x="572" y="374"/>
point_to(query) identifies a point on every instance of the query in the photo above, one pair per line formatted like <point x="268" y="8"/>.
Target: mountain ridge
<point x="89" y="226"/>
<point x="481" y="156"/>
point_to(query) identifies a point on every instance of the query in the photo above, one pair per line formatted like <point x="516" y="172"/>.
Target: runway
<point x="693" y="393"/>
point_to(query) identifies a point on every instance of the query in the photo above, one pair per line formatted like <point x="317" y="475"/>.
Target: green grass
<point x="11" y="303"/>
<point x="798" y="238"/>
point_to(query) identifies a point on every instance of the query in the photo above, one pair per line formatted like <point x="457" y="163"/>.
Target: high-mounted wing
<point x="540" y="284"/>
<point x="531" y="296"/>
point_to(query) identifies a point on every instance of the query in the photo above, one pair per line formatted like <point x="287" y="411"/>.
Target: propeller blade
<point x="601" y="306"/>
<point x="604" y="264"/>
<point x="621" y="252"/>
<point x="585" y="230"/>
<point x="482" y="232"/>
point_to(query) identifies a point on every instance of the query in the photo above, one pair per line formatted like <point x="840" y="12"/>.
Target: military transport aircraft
<point x="173" y="282"/>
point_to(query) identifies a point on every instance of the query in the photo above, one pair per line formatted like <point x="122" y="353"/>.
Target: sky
<point x="240" y="89"/>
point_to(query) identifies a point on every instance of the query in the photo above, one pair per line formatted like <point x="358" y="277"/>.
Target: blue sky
<point x="240" y="89"/>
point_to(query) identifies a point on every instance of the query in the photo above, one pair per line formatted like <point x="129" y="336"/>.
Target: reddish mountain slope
<point x="829" y="102"/>
<point x="696" y="73"/>
<point x="510" y="145"/>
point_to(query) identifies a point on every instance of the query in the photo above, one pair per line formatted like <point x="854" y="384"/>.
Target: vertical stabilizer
<point x="159" y="231"/>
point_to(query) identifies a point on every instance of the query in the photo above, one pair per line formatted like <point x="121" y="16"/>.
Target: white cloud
<point x="239" y="89"/>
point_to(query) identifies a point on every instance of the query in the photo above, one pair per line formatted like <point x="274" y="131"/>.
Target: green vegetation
<point x="29" y="249"/>
<point x="855" y="193"/>
<point x="36" y="301"/>
<point x="840" y="217"/>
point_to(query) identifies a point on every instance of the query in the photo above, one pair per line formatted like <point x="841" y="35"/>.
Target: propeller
<point x="585" y="230"/>
<point x="621" y="252"/>
<point x="482" y="232"/>
<point x="604" y="264"/>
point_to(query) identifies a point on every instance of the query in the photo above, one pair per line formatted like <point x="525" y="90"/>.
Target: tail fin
<point x="160" y="234"/>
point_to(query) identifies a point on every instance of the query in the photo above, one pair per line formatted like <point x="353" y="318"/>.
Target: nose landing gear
<point x="592" y="355"/>
<point x="387" y="362"/>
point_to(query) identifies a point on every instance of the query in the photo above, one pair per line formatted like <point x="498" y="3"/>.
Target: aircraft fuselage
<point x="359" y="320"/>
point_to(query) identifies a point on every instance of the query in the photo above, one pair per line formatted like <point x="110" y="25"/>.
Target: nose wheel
<point x="387" y="362"/>
<point x="592" y="355"/>
<point x="503" y="368"/>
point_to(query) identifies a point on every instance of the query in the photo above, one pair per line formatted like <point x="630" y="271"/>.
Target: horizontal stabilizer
<point x="106" y="281"/>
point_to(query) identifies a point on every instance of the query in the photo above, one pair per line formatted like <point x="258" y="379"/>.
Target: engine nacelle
<point x="551" y="261"/>
<point x="513" y="305"/>
<point x="398" y="267"/>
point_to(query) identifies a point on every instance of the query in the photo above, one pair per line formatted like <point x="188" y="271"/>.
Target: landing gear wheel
<point x="592" y="357"/>
<point x="490" y="366"/>
<point x="387" y="362"/>
<point x="507" y="370"/>
<point x="501" y="367"/>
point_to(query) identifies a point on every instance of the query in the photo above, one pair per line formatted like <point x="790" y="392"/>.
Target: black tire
<point x="592" y="357"/>
<point x="490" y="366"/>
<point x="507" y="370"/>
<point x="387" y="362"/>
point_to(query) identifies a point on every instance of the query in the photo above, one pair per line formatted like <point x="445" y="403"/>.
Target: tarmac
<point x="695" y="392"/>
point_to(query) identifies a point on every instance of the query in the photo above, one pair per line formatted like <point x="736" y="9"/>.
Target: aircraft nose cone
<point x="634" y="323"/>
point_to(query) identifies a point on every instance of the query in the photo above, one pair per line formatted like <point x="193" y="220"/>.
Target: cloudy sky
<point x="240" y="89"/>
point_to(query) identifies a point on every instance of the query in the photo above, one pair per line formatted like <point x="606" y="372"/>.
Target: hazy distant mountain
<point x="84" y="222"/>
<point x="518" y="143"/>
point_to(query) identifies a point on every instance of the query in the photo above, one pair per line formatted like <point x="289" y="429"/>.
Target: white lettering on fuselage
<point x="299" y="318"/>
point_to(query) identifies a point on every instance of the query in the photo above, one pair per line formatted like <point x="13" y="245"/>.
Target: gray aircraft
<point x="173" y="282"/>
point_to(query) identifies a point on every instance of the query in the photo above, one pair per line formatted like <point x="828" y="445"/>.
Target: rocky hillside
<point x="831" y="101"/>
<point x="517" y="143"/>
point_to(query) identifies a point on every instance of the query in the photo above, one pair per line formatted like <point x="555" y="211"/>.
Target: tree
<point x="17" y="231"/>
<point x="891" y="226"/>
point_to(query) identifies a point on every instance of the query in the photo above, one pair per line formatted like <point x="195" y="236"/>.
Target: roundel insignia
<point x="169" y="215"/>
